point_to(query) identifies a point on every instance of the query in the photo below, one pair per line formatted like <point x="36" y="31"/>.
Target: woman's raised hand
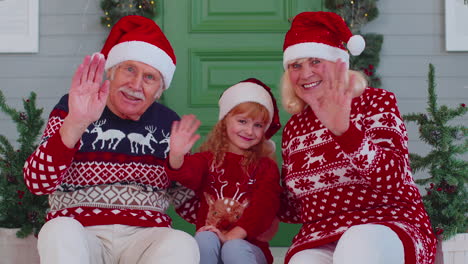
<point x="333" y="108"/>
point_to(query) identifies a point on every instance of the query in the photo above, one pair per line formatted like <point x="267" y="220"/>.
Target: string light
<point x="114" y="10"/>
<point x="357" y="13"/>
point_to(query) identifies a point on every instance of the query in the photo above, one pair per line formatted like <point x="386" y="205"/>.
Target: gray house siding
<point x="68" y="30"/>
<point x="414" y="36"/>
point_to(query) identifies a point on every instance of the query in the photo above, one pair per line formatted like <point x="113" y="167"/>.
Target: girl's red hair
<point x="217" y="141"/>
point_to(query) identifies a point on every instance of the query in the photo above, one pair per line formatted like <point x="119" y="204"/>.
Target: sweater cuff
<point x="172" y="173"/>
<point x="59" y="151"/>
<point x="167" y="165"/>
<point x="351" y="140"/>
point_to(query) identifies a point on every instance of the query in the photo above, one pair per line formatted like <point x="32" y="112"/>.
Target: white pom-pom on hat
<point x="356" y="45"/>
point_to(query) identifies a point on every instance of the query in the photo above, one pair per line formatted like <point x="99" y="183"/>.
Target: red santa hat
<point x="320" y="35"/>
<point x="140" y="39"/>
<point x="251" y="90"/>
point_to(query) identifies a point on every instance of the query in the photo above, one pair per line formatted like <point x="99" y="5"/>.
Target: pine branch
<point x="6" y="149"/>
<point x="356" y="14"/>
<point x="432" y="99"/>
<point x="446" y="200"/>
<point x="18" y="207"/>
<point x="115" y="10"/>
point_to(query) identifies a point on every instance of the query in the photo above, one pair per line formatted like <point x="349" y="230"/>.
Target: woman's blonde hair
<point x="217" y="141"/>
<point x="291" y="102"/>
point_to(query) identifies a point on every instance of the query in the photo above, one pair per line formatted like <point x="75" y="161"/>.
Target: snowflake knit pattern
<point x="361" y="177"/>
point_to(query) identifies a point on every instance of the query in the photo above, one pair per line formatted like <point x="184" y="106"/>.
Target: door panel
<point x="239" y="16"/>
<point x="219" y="43"/>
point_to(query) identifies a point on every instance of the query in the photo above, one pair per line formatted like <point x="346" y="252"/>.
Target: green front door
<point x="219" y="43"/>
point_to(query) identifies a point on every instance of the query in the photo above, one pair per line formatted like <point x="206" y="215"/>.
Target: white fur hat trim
<point x="245" y="92"/>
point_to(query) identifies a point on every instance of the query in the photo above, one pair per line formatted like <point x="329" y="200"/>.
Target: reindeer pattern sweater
<point x="335" y="182"/>
<point x="114" y="175"/>
<point x="227" y="190"/>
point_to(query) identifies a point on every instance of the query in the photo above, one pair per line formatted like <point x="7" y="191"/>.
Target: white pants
<point x="363" y="244"/>
<point x="65" y="240"/>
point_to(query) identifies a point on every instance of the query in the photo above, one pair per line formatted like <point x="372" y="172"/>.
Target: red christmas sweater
<point x="227" y="196"/>
<point x="334" y="182"/>
<point x="114" y="175"/>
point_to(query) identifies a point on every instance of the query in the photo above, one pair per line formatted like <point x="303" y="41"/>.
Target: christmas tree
<point x="357" y="14"/>
<point x="19" y="208"/>
<point x="446" y="200"/>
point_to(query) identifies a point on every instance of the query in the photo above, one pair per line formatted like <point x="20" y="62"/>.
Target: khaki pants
<point x="65" y="240"/>
<point x="362" y="244"/>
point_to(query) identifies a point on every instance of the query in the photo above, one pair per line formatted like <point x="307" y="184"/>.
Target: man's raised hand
<point x="88" y="94"/>
<point x="86" y="99"/>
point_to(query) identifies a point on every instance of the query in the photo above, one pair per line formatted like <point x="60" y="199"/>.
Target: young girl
<point x="236" y="183"/>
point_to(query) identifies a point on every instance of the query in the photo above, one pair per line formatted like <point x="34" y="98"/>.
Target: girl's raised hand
<point x="182" y="139"/>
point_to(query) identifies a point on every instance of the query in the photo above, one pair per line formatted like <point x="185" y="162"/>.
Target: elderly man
<point x="102" y="154"/>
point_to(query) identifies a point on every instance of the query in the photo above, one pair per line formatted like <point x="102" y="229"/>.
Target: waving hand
<point x="87" y="98"/>
<point x="183" y="138"/>
<point x="333" y="108"/>
<point x="88" y="95"/>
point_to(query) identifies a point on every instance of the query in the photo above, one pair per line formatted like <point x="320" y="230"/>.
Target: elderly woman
<point x="345" y="170"/>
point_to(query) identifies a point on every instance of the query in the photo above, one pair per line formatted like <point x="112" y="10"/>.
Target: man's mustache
<point x="136" y="94"/>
